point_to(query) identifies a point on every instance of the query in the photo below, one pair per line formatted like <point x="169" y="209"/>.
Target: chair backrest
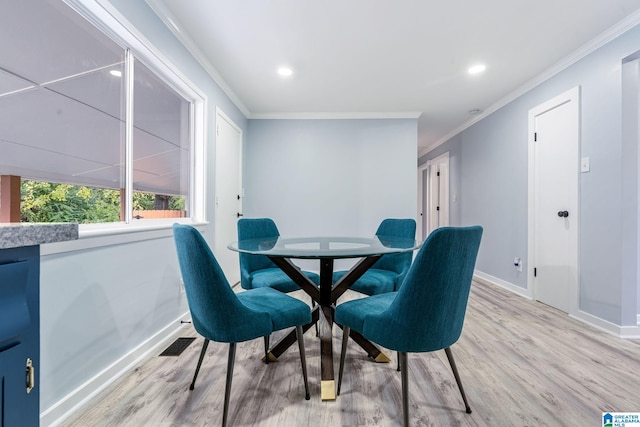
<point x="428" y="311"/>
<point x="398" y="263"/>
<point x="216" y="312"/>
<point x="255" y="228"/>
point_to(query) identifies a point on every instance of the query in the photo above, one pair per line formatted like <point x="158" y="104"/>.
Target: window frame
<point x="108" y="20"/>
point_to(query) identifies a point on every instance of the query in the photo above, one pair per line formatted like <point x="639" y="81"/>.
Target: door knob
<point x="563" y="214"/>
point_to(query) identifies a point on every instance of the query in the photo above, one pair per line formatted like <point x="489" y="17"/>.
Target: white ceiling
<point x="382" y="58"/>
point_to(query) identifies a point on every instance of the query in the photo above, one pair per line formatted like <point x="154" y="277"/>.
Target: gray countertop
<point x="14" y="235"/>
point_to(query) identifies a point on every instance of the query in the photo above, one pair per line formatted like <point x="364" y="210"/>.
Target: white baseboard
<point x="630" y="332"/>
<point x="487" y="279"/>
<point x="624" y="332"/>
<point x="65" y="407"/>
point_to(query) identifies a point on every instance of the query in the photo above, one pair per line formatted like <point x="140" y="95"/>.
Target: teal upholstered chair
<point x="387" y="274"/>
<point x="221" y="315"/>
<point x="258" y="271"/>
<point x="427" y="312"/>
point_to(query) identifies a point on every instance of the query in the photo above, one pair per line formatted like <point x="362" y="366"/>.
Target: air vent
<point x="177" y="347"/>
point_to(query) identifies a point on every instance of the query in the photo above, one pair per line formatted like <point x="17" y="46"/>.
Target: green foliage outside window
<point x="50" y="202"/>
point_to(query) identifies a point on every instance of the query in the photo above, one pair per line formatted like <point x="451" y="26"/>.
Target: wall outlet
<point x="517" y="263"/>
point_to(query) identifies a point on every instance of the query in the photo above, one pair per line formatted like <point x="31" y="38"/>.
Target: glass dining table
<point x="282" y="250"/>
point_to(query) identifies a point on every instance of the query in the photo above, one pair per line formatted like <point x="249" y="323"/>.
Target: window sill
<point x="101" y="235"/>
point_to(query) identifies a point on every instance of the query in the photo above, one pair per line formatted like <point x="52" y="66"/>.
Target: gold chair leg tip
<point x="328" y="389"/>
<point x="382" y="358"/>
<point x="272" y="358"/>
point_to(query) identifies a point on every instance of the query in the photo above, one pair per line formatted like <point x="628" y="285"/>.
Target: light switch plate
<point x="584" y="165"/>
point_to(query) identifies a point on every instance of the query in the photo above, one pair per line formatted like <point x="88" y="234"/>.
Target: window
<point x="161" y="147"/>
<point x="93" y="133"/>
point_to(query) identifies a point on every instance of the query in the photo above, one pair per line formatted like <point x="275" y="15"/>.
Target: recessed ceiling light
<point x="477" y="69"/>
<point x="116" y="73"/>
<point x="285" y="71"/>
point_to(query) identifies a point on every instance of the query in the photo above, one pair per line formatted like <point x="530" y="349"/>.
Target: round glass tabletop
<point x="324" y="247"/>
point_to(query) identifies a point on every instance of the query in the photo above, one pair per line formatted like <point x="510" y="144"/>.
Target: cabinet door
<point x="19" y="407"/>
<point x="19" y="336"/>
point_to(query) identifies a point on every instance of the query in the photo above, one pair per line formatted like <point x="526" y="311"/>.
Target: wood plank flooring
<point x="522" y="364"/>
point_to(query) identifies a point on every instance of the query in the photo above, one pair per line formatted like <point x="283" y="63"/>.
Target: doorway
<point x="554" y="129"/>
<point x="433" y="195"/>
<point x="228" y="187"/>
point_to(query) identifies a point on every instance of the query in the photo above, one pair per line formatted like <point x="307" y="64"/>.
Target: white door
<point x="440" y="194"/>
<point x="554" y="150"/>
<point x="228" y="202"/>
<point x="433" y="187"/>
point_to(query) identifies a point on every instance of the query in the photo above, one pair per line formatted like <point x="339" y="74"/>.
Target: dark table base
<point x="322" y="315"/>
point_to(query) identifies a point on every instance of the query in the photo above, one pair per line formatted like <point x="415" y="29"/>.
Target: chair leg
<point x="345" y="341"/>
<point x="266" y="349"/>
<point x="398" y="360"/>
<point x="227" y="387"/>
<point x="202" y="353"/>
<point x="455" y="374"/>
<point x="303" y="360"/>
<point x="404" y="374"/>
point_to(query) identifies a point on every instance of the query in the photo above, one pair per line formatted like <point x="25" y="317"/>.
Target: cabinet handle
<point x="31" y="375"/>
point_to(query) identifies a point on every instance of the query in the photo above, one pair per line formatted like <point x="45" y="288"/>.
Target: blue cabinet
<point x="19" y="336"/>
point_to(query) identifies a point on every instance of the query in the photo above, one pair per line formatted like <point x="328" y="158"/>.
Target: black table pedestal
<point x="322" y="314"/>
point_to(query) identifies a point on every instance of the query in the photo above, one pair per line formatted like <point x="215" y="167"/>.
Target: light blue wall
<point x="99" y="304"/>
<point x="330" y="177"/>
<point x="102" y="301"/>
<point x="630" y="175"/>
<point x="494" y="184"/>
<point x="494" y="190"/>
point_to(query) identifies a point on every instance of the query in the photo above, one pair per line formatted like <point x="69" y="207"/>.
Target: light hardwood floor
<point x="522" y="364"/>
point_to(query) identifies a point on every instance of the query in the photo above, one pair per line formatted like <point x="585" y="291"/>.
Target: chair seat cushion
<point x="277" y="279"/>
<point x="285" y="311"/>
<point x="372" y="282"/>
<point x="353" y="313"/>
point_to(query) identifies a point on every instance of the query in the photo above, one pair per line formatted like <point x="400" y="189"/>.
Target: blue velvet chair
<point x="387" y="274"/>
<point x="258" y="271"/>
<point x="221" y="315"/>
<point x="427" y="312"/>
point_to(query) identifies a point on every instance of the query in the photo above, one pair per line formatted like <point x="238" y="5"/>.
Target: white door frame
<point x="218" y="243"/>
<point x="570" y="96"/>
<point x="423" y="215"/>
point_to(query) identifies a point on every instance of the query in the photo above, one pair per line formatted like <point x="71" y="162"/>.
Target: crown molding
<point x="330" y="115"/>
<point x="168" y="18"/>
<point x="607" y="36"/>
